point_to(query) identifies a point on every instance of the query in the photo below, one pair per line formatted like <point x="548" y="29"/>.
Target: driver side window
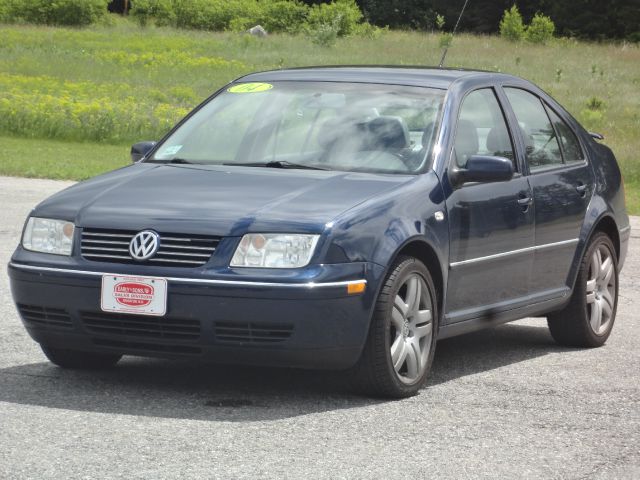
<point x="482" y="129"/>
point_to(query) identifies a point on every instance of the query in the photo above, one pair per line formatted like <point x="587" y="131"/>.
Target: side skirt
<point x="467" y="321"/>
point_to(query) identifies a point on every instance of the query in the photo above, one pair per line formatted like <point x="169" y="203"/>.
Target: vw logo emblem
<point x="144" y="245"/>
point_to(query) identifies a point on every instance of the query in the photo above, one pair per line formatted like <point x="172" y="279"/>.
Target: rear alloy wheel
<point x="588" y="319"/>
<point x="399" y="350"/>
<point x="74" y="359"/>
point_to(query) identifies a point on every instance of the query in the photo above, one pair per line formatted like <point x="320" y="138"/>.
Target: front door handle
<point x="524" y="201"/>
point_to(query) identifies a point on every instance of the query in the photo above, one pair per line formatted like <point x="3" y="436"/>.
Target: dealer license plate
<point x="137" y="295"/>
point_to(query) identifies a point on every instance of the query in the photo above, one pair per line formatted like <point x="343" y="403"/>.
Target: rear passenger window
<point x="571" y="150"/>
<point x="541" y="145"/>
<point x="482" y="129"/>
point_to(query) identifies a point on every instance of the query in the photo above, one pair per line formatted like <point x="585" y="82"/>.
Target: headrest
<point x="498" y="141"/>
<point x="466" y="140"/>
<point x="389" y="133"/>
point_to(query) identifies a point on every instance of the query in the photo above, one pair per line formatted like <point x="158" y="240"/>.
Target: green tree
<point x="511" y="26"/>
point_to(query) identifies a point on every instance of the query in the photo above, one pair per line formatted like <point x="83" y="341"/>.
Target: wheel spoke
<point x="596" y="315"/>
<point x="595" y="265"/>
<point x="599" y="261"/>
<point x="607" y="271"/>
<point x="398" y="352"/>
<point x="607" y="310"/>
<point x="397" y="320"/>
<point x="604" y="267"/>
<point x="423" y="316"/>
<point x="414" y="292"/>
<point x="402" y="307"/>
<point x="413" y="360"/>
<point x="591" y="294"/>
<point x="608" y="298"/>
<point x="422" y="330"/>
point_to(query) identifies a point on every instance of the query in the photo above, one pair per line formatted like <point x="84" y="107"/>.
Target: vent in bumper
<point x="176" y="249"/>
<point x="45" y="316"/>
<point x="147" y="348"/>
<point x="140" y="326"/>
<point x="252" y="332"/>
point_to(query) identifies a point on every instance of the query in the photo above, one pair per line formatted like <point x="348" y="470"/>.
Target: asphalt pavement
<point x="502" y="403"/>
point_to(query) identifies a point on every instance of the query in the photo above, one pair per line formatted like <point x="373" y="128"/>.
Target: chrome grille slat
<point x="93" y="234"/>
<point x="104" y="242"/>
<point x="105" y="249"/>
<point x="181" y="254"/>
<point x="176" y="249"/>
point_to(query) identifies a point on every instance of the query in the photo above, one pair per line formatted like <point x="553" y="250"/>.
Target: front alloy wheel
<point x="399" y="350"/>
<point x="411" y="329"/>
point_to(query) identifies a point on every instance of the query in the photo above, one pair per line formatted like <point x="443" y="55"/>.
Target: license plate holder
<point x="133" y="294"/>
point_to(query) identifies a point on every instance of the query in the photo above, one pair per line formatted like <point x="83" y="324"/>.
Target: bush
<point x="160" y="10"/>
<point x="59" y="12"/>
<point x="511" y="26"/>
<point x="287" y="16"/>
<point x="343" y="15"/>
<point x="325" y="34"/>
<point x="540" y="30"/>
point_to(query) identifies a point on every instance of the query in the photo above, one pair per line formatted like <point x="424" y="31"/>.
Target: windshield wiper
<point x="276" y="164"/>
<point x="176" y="161"/>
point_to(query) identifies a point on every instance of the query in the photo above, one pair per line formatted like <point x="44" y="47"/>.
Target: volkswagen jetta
<point x="335" y="218"/>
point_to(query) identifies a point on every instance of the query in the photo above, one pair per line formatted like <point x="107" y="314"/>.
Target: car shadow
<point x="197" y="391"/>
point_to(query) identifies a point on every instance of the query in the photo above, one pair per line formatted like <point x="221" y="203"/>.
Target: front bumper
<point x="240" y="321"/>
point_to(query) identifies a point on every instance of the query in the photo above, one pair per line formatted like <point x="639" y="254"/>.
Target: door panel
<point x="559" y="214"/>
<point x="562" y="182"/>
<point x="491" y="224"/>
<point x="492" y="238"/>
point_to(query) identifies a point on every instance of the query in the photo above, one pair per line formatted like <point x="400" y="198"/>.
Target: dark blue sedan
<point x="335" y="218"/>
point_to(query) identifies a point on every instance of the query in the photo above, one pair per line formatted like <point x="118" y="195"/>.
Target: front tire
<point x="588" y="319"/>
<point x="400" y="346"/>
<point x="74" y="359"/>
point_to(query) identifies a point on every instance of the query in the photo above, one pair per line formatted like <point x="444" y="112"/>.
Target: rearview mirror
<point x="140" y="149"/>
<point x="484" y="168"/>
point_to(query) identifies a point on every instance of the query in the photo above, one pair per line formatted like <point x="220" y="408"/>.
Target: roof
<point x="414" y="76"/>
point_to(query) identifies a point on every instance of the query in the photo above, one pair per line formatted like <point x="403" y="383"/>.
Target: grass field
<point x="72" y="101"/>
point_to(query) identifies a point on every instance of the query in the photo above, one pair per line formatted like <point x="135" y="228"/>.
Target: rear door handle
<point x="581" y="188"/>
<point x="524" y="201"/>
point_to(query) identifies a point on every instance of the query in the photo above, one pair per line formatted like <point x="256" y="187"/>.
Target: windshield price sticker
<point x="250" y="88"/>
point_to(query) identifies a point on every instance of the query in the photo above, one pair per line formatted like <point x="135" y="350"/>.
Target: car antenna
<point x="455" y="29"/>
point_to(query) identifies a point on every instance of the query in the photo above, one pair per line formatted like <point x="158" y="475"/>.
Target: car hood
<point x="215" y="200"/>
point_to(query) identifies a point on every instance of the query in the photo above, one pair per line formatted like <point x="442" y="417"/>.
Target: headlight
<point x="48" y="236"/>
<point x="274" y="250"/>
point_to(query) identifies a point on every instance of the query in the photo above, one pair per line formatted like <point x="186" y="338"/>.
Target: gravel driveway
<point x="502" y="403"/>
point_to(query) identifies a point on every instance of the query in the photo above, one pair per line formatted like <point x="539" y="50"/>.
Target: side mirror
<point x="140" y="149"/>
<point x="484" y="168"/>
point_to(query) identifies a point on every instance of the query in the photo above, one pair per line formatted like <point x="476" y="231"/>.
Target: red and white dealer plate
<point x="137" y="295"/>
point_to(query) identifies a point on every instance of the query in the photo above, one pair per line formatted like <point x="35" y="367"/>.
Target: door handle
<point x="581" y="188"/>
<point x="524" y="201"/>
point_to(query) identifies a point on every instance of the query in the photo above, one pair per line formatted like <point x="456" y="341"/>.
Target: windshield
<point x="315" y="125"/>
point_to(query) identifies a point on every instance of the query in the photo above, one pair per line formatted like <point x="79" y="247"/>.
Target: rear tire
<point x="401" y="343"/>
<point x="588" y="319"/>
<point x="74" y="359"/>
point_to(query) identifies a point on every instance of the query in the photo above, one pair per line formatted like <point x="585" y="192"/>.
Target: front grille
<point x="252" y="332"/>
<point x="141" y="326"/>
<point x="45" y="316"/>
<point x="176" y="249"/>
<point x="129" y="346"/>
